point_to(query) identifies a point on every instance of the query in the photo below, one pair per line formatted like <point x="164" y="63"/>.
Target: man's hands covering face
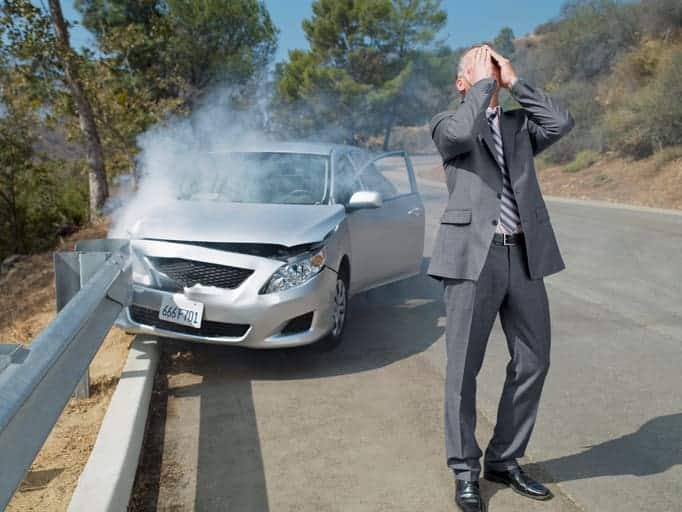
<point x="507" y="73"/>
<point x="479" y="65"/>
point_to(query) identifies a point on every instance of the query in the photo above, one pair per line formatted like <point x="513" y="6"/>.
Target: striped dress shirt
<point x="488" y="111"/>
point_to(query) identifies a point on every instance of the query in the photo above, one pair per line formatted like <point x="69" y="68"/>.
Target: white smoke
<point x="181" y="147"/>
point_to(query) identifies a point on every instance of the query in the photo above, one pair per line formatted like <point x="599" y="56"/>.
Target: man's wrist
<point x="513" y="82"/>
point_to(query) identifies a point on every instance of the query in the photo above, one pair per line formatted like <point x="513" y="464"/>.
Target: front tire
<point x="339" y="315"/>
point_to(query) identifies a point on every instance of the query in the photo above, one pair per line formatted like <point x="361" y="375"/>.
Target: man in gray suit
<point x="494" y="245"/>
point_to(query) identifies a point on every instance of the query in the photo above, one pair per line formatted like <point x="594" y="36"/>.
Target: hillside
<point x="643" y="182"/>
<point x="651" y="182"/>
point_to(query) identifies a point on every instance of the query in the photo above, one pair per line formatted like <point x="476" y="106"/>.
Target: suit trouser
<point x="504" y="285"/>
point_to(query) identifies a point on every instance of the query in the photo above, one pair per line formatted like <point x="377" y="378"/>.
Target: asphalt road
<point x="361" y="428"/>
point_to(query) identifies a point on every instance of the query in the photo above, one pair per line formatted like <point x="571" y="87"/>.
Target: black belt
<point x="508" y="239"/>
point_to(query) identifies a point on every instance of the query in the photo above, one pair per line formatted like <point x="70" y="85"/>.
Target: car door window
<point x="387" y="175"/>
<point x="346" y="181"/>
<point x="372" y="179"/>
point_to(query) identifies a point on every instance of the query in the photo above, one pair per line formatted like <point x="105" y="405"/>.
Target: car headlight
<point x="297" y="272"/>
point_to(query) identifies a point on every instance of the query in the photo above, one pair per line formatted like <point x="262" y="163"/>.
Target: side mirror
<point x="365" y="199"/>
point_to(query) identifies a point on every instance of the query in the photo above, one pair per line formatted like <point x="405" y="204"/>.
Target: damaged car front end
<point x="245" y="298"/>
<point x="262" y="267"/>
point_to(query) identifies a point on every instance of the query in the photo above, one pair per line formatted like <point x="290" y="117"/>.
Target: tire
<point x="340" y="314"/>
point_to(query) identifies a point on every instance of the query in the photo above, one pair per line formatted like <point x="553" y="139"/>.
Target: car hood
<point x="281" y="224"/>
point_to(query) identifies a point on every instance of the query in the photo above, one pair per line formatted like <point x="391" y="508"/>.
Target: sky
<point x="468" y="21"/>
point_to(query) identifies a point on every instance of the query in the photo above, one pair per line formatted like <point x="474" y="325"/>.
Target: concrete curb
<point x="107" y="479"/>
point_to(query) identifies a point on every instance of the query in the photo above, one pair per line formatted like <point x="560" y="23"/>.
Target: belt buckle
<point x="504" y="239"/>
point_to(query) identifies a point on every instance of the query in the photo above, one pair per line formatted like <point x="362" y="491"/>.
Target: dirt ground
<point x="614" y="179"/>
<point x="52" y="478"/>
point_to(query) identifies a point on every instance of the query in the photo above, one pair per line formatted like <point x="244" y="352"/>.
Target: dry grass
<point x="648" y="182"/>
<point x="669" y="154"/>
<point x="645" y="182"/>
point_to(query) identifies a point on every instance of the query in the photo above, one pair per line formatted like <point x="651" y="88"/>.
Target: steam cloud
<point x="186" y="146"/>
<point x="180" y="146"/>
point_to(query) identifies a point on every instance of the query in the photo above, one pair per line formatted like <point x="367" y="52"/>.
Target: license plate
<point x="180" y="310"/>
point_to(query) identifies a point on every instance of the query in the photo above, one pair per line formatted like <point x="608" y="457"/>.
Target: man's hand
<point x="479" y="66"/>
<point x="507" y="73"/>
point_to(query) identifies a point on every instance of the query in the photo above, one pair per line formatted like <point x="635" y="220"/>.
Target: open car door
<point x="394" y="232"/>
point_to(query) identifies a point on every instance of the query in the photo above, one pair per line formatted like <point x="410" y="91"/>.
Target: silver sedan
<point x="264" y="248"/>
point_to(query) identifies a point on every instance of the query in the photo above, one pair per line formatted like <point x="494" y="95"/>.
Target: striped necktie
<point x="509" y="213"/>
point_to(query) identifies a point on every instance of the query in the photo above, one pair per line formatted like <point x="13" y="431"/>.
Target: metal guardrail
<point x="93" y="285"/>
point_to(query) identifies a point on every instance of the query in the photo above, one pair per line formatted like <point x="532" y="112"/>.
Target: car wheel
<point x="339" y="314"/>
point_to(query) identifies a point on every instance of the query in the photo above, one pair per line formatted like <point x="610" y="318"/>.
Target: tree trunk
<point x="14" y="213"/>
<point x="390" y="119"/>
<point x="97" y="175"/>
<point x="387" y="135"/>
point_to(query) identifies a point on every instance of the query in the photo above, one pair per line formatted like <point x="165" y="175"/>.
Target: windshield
<point x="289" y="178"/>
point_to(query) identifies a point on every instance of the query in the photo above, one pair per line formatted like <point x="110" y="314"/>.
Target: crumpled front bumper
<point x="266" y="315"/>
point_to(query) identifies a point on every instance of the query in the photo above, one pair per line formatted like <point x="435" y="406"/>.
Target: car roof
<point x="312" y="148"/>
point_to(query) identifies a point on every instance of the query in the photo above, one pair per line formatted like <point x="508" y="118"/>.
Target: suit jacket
<point x="474" y="179"/>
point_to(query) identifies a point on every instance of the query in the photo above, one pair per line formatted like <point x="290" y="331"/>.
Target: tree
<point x="570" y="56"/>
<point x="15" y="167"/>
<point x="362" y="72"/>
<point x="182" y="47"/>
<point x="154" y="58"/>
<point x="158" y="58"/>
<point x="504" y="42"/>
<point x="37" y="196"/>
<point x="37" y="48"/>
<point x="588" y="40"/>
<point x="69" y="62"/>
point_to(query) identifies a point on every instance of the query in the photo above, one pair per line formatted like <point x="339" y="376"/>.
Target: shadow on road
<point x="384" y="325"/>
<point x="654" y="448"/>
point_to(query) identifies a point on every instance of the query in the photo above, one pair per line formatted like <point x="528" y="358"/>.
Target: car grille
<point x="187" y="273"/>
<point x="209" y="329"/>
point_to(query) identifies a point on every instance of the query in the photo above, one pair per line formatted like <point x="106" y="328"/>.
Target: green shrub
<point x="582" y="160"/>
<point x="38" y="197"/>
<point x="650" y="118"/>
<point x="578" y="97"/>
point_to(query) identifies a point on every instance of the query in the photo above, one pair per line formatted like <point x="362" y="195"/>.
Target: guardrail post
<point x="67" y="282"/>
<point x="72" y="270"/>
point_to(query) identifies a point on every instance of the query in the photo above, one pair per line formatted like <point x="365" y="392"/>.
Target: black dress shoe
<point x="520" y="482"/>
<point x="468" y="496"/>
